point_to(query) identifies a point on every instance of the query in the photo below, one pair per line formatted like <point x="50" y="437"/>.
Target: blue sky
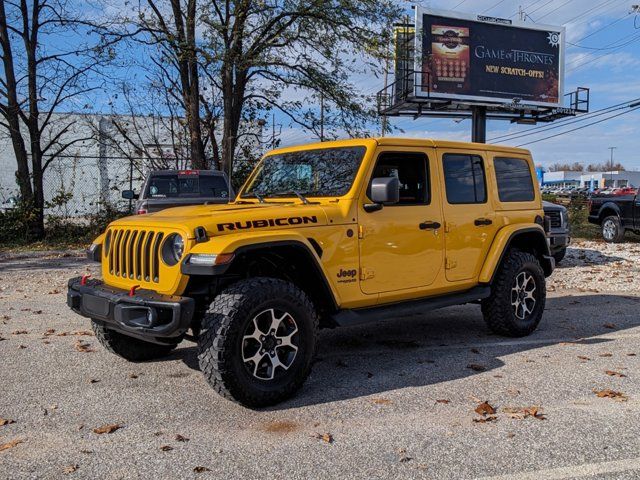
<point x="613" y="75"/>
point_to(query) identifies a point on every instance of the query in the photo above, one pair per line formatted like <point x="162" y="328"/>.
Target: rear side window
<point x="464" y="178"/>
<point x="514" y="180"/>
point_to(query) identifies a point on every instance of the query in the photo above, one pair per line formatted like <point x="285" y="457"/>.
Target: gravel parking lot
<point x="389" y="400"/>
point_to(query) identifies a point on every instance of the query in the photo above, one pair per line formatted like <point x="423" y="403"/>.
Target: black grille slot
<point x="555" y="217"/>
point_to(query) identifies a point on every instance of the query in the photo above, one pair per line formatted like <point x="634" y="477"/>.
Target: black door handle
<point x="429" y="226"/>
<point x="482" y="221"/>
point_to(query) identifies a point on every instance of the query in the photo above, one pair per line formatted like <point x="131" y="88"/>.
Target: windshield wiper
<point x="254" y="194"/>
<point x="302" y="198"/>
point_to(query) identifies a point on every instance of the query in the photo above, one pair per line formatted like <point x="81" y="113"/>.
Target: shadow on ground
<point x="439" y="347"/>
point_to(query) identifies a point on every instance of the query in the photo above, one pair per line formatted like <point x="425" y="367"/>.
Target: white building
<point x="612" y="179"/>
<point x="111" y="153"/>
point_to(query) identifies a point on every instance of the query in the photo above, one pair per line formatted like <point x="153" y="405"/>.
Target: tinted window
<point x="411" y="171"/>
<point x="464" y="179"/>
<point x="323" y="172"/>
<point x="174" y="185"/>
<point x="514" y="180"/>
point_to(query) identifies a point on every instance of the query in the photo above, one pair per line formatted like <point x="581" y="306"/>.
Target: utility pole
<point x="321" y="116"/>
<point x="611" y="149"/>
<point x="521" y="14"/>
<point x="383" y="126"/>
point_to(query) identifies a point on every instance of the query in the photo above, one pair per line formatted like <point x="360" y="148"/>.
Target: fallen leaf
<point x="521" y="413"/>
<point x="70" y="469"/>
<point x="443" y="400"/>
<point x="201" y="469"/>
<point x="631" y="355"/>
<point x="6" y="421"/>
<point x="166" y="448"/>
<point x="86" y="333"/>
<point x="22" y="346"/>
<point x="382" y="401"/>
<point x="477" y="367"/>
<point x="475" y="350"/>
<point x="2" y="338"/>
<point x="485" y="409"/>
<point x="609" y="325"/>
<point x="607" y="393"/>
<point x="369" y="374"/>
<point x="491" y="418"/>
<point x="83" y="347"/>
<point x="133" y="375"/>
<point x="19" y="332"/>
<point x="11" y="444"/>
<point x="93" y="380"/>
<point x="180" y="438"/>
<point x="325" y="437"/>
<point x="582" y="357"/>
<point x="53" y="292"/>
<point x="612" y="373"/>
<point x="606" y="354"/>
<point x="107" y="428"/>
<point x="51" y="331"/>
<point x="37" y="312"/>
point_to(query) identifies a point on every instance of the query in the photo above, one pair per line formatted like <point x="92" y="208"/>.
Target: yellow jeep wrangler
<point x="322" y="235"/>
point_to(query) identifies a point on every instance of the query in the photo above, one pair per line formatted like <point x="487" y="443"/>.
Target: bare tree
<point x="230" y="63"/>
<point x="567" y="167"/>
<point x="42" y="76"/>
<point x="605" y="167"/>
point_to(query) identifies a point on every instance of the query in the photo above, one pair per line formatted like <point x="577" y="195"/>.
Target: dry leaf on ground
<point x="608" y="393"/>
<point x="70" y="469"/>
<point x="382" y="401"/>
<point x="180" y="438"/>
<point x="166" y="448"/>
<point x="83" y="347"/>
<point x="19" y="332"/>
<point x="201" y="469"/>
<point x="485" y="409"/>
<point x="613" y="373"/>
<point x="11" y="444"/>
<point x="6" y="421"/>
<point x="107" y="428"/>
<point x="325" y="437"/>
<point x="524" y="412"/>
<point x="490" y="418"/>
<point x="443" y="400"/>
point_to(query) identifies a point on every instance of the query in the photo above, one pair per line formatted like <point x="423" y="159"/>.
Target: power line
<point x="603" y="55"/>
<point x="604" y="27"/>
<point x="607" y="47"/>
<point x="494" y="6"/>
<point x="597" y="7"/>
<point x="566" y="122"/>
<point x="580" y="128"/>
<point x="555" y="9"/>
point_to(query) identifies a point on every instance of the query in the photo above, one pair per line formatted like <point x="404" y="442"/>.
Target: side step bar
<point x="345" y="318"/>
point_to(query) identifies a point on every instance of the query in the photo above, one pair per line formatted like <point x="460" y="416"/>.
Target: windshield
<point x="174" y="185"/>
<point x="327" y="172"/>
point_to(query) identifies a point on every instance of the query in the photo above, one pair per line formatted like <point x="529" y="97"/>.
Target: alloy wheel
<point x="523" y="295"/>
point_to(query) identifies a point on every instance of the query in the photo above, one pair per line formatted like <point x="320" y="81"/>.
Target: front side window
<point x="327" y="172"/>
<point x="464" y="178"/>
<point x="411" y="171"/>
<point x="514" y="180"/>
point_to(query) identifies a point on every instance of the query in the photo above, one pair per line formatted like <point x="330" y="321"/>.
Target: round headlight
<point x="172" y="249"/>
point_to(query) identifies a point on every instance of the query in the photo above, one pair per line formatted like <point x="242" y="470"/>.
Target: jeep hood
<point x="235" y="217"/>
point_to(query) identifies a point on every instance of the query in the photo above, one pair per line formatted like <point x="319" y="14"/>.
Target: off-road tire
<point x="618" y="230"/>
<point x="498" y="310"/>
<point x="221" y="340"/>
<point x="559" y="255"/>
<point x="129" y="348"/>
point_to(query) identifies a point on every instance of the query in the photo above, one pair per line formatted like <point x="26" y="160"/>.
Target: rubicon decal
<point x="270" y="222"/>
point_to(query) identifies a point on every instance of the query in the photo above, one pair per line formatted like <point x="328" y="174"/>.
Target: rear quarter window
<point x="513" y="178"/>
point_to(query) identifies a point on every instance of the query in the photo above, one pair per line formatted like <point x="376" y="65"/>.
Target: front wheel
<point x="559" y="255"/>
<point x="612" y="230"/>
<point x="258" y="341"/>
<point x="518" y="296"/>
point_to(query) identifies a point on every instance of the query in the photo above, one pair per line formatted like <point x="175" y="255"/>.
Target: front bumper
<point x="145" y="314"/>
<point x="559" y="241"/>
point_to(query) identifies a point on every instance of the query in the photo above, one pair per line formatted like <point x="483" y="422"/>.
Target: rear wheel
<point x="129" y="348"/>
<point x="612" y="230"/>
<point x="518" y="296"/>
<point x="258" y="341"/>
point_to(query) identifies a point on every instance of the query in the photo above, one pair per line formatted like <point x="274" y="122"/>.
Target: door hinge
<point x="449" y="264"/>
<point x="366" y="273"/>
<point x="364" y="231"/>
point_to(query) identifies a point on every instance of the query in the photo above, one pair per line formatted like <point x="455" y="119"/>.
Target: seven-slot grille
<point x="135" y="254"/>
<point x="556" y="218"/>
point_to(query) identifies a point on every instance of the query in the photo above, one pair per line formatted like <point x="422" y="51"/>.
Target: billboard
<point x="487" y="59"/>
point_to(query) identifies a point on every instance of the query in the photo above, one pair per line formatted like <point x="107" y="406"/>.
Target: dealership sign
<point x="487" y="59"/>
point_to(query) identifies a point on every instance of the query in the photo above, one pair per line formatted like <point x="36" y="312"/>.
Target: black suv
<point x="559" y="235"/>
<point x="177" y="188"/>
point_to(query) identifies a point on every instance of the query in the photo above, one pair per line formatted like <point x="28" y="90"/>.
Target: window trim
<point x="484" y="177"/>
<point x="495" y="173"/>
<point x="426" y="172"/>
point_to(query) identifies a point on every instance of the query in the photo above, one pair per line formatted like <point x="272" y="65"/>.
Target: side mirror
<point x="384" y="190"/>
<point x="129" y="195"/>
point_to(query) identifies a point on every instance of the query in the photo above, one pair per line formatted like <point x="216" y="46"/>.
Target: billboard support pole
<point x="479" y="124"/>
